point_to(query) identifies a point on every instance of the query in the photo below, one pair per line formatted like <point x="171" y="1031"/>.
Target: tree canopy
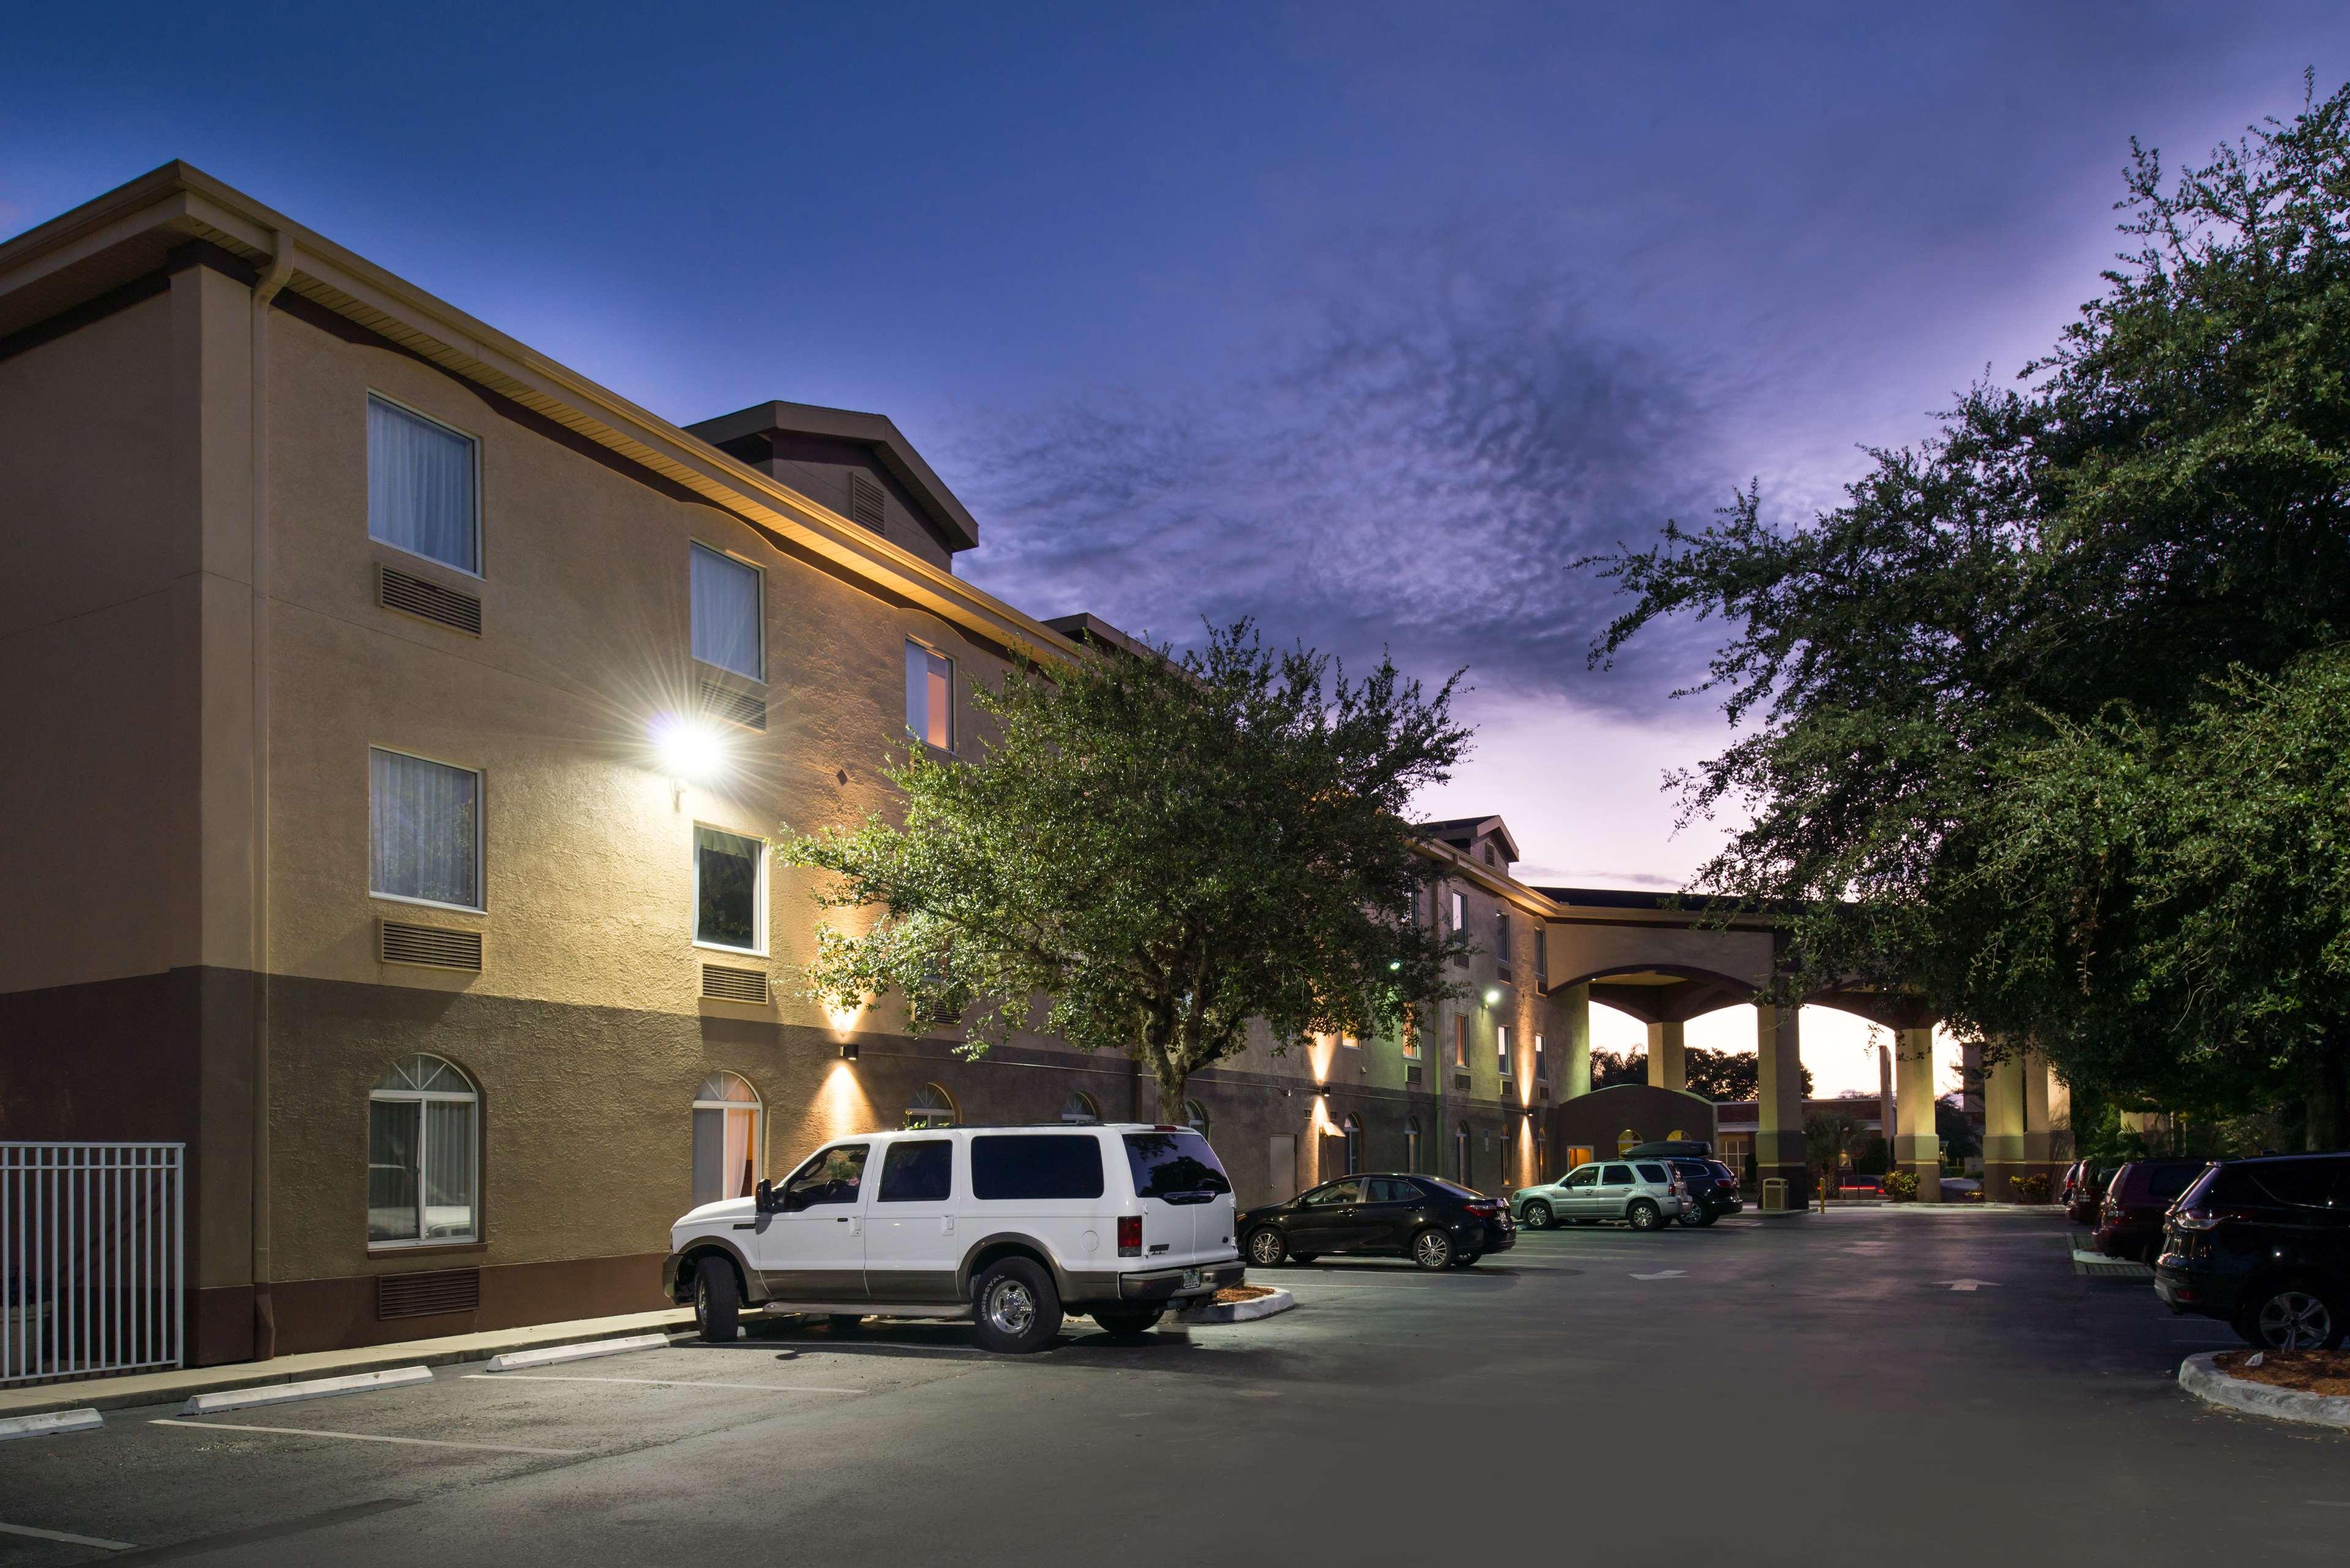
<point x="1154" y="851"/>
<point x="2045" y="718"/>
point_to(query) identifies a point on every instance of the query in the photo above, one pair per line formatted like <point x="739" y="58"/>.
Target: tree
<point x="1828" y="1138"/>
<point x="1609" y="1068"/>
<point x="1162" y="850"/>
<point x="1728" y="1075"/>
<point x="2043" y="720"/>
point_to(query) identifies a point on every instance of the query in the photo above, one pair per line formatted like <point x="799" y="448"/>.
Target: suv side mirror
<point x="763" y="1199"/>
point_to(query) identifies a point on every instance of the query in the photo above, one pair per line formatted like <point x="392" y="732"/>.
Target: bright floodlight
<point x="689" y="749"/>
<point x="1493" y="994"/>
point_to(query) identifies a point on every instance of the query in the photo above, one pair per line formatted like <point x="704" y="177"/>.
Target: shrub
<point x="2032" y="1188"/>
<point x="1901" y="1186"/>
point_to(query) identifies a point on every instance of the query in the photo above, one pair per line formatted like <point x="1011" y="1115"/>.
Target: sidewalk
<point x="165" y="1388"/>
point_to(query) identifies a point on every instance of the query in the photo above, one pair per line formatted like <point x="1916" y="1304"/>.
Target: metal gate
<point x="92" y="1277"/>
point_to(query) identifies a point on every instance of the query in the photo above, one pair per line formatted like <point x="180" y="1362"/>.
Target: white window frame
<point x="954" y="730"/>
<point x="758" y="616"/>
<point x="758" y="894"/>
<point x="481" y="836"/>
<point x="1460" y="914"/>
<point x="481" y="541"/>
<point x="1541" y="1075"/>
<point x="420" y="1098"/>
<point x="757" y="1107"/>
<point x="1501" y="1049"/>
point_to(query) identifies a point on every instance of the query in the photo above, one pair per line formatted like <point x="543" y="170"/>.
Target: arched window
<point x="1195" y="1116"/>
<point x="423" y="1128"/>
<point x="1460" y="1172"/>
<point x="1353" y="1130"/>
<point x="1411" y="1145"/>
<point x="1079" y="1107"/>
<point x="929" y="1106"/>
<point x="726" y="1138"/>
<point x="1625" y="1140"/>
<point x="1676" y="1136"/>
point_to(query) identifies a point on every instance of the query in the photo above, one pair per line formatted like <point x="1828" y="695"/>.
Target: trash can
<point x="24" y="1329"/>
<point x="1774" y="1195"/>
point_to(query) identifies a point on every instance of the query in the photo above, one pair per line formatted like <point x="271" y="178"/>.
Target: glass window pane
<point x="930" y="697"/>
<point x="391" y="1170"/>
<point x="424" y="828"/>
<point x="421" y="480"/>
<point x="918" y="1172"/>
<point x="448" y="1170"/>
<point x="1041" y="1166"/>
<point x="709" y="1157"/>
<point x="726" y="888"/>
<point x="726" y="613"/>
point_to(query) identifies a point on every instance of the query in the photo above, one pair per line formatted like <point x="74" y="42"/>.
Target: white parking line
<point x="101" y="1544"/>
<point x="369" y="1438"/>
<point x="653" y="1382"/>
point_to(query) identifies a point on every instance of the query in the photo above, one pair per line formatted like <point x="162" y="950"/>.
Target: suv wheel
<point x="1644" y="1215"/>
<point x="717" y="1301"/>
<point x="1537" y="1215"/>
<point x="1466" y="1260"/>
<point x="1128" y="1323"/>
<point x="1266" y="1247"/>
<point x="2292" y="1316"/>
<point x="1432" y="1249"/>
<point x="1015" y="1307"/>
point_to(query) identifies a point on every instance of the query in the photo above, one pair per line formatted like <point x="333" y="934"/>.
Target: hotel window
<point x="1353" y="1132"/>
<point x="423" y="487"/>
<point x="1195" y="1116"/>
<point x="725" y="1139"/>
<point x="1411" y="1145"/>
<point x="1541" y="958"/>
<point x="1502" y="1049"/>
<point x="1501" y="954"/>
<point x="1542" y="1066"/>
<point x="1460" y="914"/>
<point x="727" y="621"/>
<point x="1407" y="1038"/>
<point x="1079" y="1107"/>
<point x="1461" y="1040"/>
<point x="422" y="1117"/>
<point x="929" y="696"/>
<point x="1350" y="1042"/>
<point x="424" y="831"/>
<point x="729" y="877"/>
<point x="929" y="1106"/>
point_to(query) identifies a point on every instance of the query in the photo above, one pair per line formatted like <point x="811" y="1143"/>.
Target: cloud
<point x="1417" y="463"/>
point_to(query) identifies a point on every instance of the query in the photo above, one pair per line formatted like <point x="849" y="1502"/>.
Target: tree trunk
<point x="1172" y="1081"/>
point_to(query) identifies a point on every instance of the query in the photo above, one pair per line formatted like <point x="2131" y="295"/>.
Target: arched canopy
<point x="1666" y="993"/>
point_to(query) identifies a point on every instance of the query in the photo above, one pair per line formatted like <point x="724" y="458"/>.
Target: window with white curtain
<point x="929" y="696"/>
<point x="423" y="487"/>
<point x="423" y="1131"/>
<point x="726" y="1138"/>
<point x="1502" y="1049"/>
<point x="729" y="878"/>
<point x="726" y="614"/>
<point x="424" y="830"/>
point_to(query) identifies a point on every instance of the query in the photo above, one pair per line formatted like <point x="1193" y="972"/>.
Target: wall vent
<point x="435" y="947"/>
<point x="722" y="983"/>
<point x="428" y="601"/>
<point x="863" y="502"/>
<point x="735" y="707"/>
<point x="1411" y="1074"/>
<point x="431" y="1294"/>
<point x="1460" y="1082"/>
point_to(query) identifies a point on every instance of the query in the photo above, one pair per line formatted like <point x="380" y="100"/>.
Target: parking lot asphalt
<point x="1786" y="1391"/>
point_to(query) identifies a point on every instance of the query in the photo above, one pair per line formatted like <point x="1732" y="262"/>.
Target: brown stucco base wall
<point x="330" y="1315"/>
<point x="1599" y="1120"/>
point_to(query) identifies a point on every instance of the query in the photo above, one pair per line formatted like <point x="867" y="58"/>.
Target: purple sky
<point x="1365" y="319"/>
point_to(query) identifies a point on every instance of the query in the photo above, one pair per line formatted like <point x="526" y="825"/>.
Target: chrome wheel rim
<point x="1538" y="1216"/>
<point x="701" y="1304"/>
<point x="1432" y="1249"/>
<point x="2296" y="1320"/>
<point x="1011" y="1309"/>
<point x="1265" y="1248"/>
<point x="1644" y="1217"/>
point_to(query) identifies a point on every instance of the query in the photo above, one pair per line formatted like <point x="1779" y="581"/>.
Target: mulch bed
<point x="1232" y="1295"/>
<point x="2309" y="1371"/>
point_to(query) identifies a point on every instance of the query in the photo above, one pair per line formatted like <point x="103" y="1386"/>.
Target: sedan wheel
<point x="1432" y="1249"/>
<point x="2295" y="1319"/>
<point x="1266" y="1247"/>
<point x="1538" y="1216"/>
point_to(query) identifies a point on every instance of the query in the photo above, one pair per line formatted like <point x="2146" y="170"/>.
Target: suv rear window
<point x="1655" y="1173"/>
<point x="1175" y="1168"/>
<point x="2281" y="1184"/>
<point x="1014" y="1167"/>
<point x="922" y="1171"/>
<point x="2167" y="1182"/>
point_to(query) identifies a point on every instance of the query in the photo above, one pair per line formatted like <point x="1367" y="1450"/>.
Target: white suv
<point x="1642" y="1193"/>
<point x="1006" y="1226"/>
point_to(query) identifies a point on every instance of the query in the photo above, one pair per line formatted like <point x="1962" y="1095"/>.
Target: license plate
<point x="1190" y="1279"/>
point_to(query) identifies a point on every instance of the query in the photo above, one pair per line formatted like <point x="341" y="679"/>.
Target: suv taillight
<point x="1129" y="1235"/>
<point x="2205" y="1219"/>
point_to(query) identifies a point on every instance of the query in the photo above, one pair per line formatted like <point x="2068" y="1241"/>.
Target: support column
<point x="2004" y="1157"/>
<point x="1575" y="1061"/>
<point x="1668" y="1066"/>
<point x="2039" y="1157"/>
<point x="1916" y="1147"/>
<point x="1779" y="1129"/>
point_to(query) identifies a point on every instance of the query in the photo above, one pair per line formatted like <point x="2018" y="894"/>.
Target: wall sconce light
<point x="848" y="1050"/>
<point x="1492" y="996"/>
<point x="689" y="750"/>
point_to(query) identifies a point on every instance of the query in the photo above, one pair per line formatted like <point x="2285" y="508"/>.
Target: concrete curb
<point x="50" y="1423"/>
<point x="1241" y="1311"/>
<point x="555" y="1354"/>
<point x="316" y="1389"/>
<point x="2097" y="1263"/>
<point x="2200" y="1378"/>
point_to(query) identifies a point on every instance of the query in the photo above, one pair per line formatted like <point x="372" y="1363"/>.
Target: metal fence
<point x="92" y="1272"/>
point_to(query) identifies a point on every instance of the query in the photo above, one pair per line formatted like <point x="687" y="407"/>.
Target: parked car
<point x="2264" y="1244"/>
<point x="1712" y="1190"/>
<point x="1863" y="1186"/>
<point x="2130" y="1221"/>
<point x="1642" y="1193"/>
<point x="1011" y="1226"/>
<point x="1435" y="1223"/>
<point x="2084" y="1191"/>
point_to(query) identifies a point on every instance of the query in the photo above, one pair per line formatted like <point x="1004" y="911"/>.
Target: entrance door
<point x="814" y="1249"/>
<point x="1281" y="1168"/>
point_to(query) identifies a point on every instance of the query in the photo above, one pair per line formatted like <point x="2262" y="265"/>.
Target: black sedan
<point x="1431" y="1221"/>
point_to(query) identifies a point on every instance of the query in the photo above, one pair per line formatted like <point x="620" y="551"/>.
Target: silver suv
<point x="1642" y="1193"/>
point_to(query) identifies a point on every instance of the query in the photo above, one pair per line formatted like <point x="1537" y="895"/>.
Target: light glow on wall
<point x="690" y="750"/>
<point x="841" y="1106"/>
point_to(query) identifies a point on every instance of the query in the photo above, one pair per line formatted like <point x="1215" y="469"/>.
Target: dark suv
<point x="1431" y="1221"/>
<point x="2084" y="1190"/>
<point x="1712" y="1189"/>
<point x="2130" y="1224"/>
<point x="2265" y="1244"/>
